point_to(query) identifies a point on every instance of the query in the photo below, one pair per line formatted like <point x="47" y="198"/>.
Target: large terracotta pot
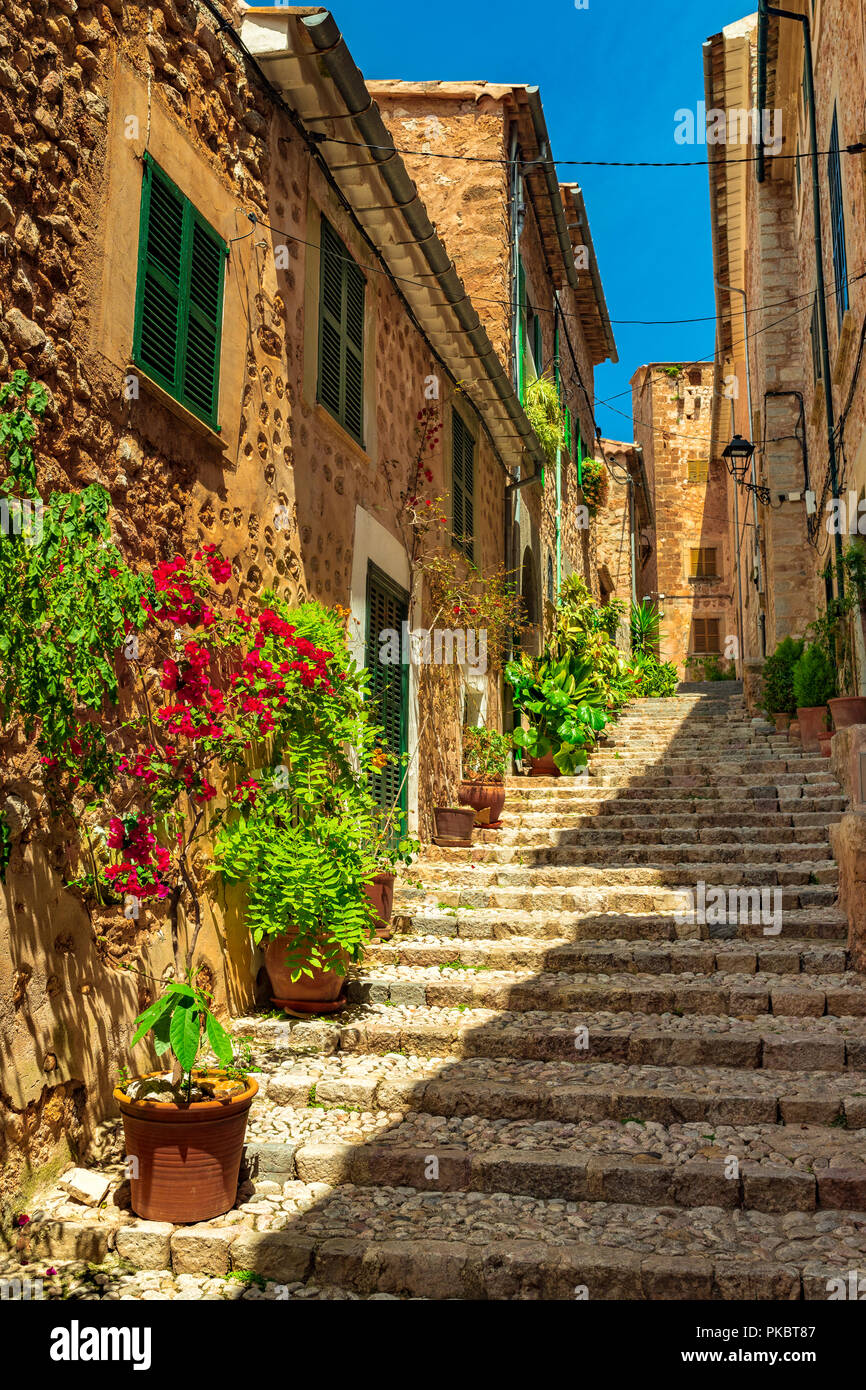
<point x="454" y="823"/>
<point x="543" y="767"/>
<point x="188" y="1157"/>
<point x="486" y="799"/>
<point x="812" y="721"/>
<point x="380" y="895"/>
<point x="847" y="710"/>
<point x="324" y="986"/>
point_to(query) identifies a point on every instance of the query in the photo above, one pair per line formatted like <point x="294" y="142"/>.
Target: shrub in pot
<point x="486" y="754"/>
<point x="814" y="682"/>
<point x="184" y="1129"/>
<point x="778" y="680"/>
<point x="563" y="707"/>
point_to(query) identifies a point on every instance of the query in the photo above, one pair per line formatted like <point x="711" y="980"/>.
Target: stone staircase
<point x="554" y="1082"/>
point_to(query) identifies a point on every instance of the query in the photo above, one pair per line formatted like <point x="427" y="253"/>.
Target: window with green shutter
<point x="462" y="486"/>
<point x="341" y="334"/>
<point x="179" y="296"/>
<point x="388" y="690"/>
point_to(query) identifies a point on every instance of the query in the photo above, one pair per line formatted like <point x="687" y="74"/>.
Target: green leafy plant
<point x="545" y="414"/>
<point x="559" y="698"/>
<point x="651" y="678"/>
<point x="855" y="567"/>
<point x="814" y="679"/>
<point x="486" y="754"/>
<point x="711" y="668"/>
<point x="778" y="676"/>
<point x="5" y="845"/>
<point x="645" y="624"/>
<point x="178" y="1022"/>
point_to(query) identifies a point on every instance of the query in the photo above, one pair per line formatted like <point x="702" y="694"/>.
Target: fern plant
<point x="545" y="414"/>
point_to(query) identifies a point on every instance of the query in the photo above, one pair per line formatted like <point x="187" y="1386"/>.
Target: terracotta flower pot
<point x="188" y="1157"/>
<point x="454" y="823"/>
<point x="543" y="767"/>
<point x="324" y="986"/>
<point x="812" y="723"/>
<point x="486" y="799"/>
<point x="847" y="710"/>
<point x="380" y="895"/>
<point x="824" y="743"/>
<point x="781" y="721"/>
<point x="794" y="731"/>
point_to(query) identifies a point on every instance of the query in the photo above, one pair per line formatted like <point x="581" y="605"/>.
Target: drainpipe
<point x="763" y="12"/>
<point x="732" y="289"/>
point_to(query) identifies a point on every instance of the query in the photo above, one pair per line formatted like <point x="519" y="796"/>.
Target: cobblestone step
<point x="821" y="923"/>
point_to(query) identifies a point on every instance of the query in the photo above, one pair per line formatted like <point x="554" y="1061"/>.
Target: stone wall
<point x="84" y="90"/>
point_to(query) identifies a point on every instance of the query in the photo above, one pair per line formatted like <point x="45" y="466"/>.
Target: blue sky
<point x="611" y="77"/>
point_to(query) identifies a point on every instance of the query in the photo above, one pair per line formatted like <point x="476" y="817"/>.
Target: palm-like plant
<point x="645" y="623"/>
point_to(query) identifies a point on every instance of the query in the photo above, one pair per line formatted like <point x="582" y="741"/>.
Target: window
<point x="341" y="334"/>
<point x="837" y="220"/>
<point x="178" y="296"/>
<point x="703" y="563"/>
<point x="706" y="635"/>
<point x="699" y="470"/>
<point x="462" y="486"/>
<point x="815" y="336"/>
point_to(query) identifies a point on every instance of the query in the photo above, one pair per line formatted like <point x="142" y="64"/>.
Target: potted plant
<point x="814" y="682"/>
<point x="563" y="710"/>
<point x="594" y="483"/>
<point x="485" y="761"/>
<point x="184" y="1129"/>
<point x="778" y="681"/>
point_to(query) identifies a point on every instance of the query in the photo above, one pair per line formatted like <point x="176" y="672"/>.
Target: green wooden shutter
<point x="341" y="334"/>
<point x="387" y="610"/>
<point x="462" y="485"/>
<point x="179" y="296"/>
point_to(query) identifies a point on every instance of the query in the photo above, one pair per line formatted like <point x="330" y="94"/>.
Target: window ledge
<point x="193" y="422"/>
<point x="705" y="578"/>
<point x="324" y="415"/>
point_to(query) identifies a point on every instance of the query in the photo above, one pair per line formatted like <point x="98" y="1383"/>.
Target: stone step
<point x="621" y="894"/>
<point x="598" y="833"/>
<point x="717" y="993"/>
<point x="511" y="1088"/>
<point x="608" y="957"/>
<point x="616" y="847"/>
<point x="470" y="923"/>
<point x="811" y="1044"/>
<point x="761" y="1167"/>
<point x="567" y="865"/>
<point x="799" y="797"/>
<point x="444" y="1244"/>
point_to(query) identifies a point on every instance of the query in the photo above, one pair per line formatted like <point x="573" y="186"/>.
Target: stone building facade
<point x="624" y="526"/>
<point x="770" y="378"/>
<point x="227" y="124"/>
<point x="690" y="573"/>
<point x="523" y="247"/>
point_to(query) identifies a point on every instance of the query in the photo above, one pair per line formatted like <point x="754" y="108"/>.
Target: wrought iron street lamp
<point x="738" y="456"/>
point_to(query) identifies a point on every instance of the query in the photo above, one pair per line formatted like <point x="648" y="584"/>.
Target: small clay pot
<point x="543" y="767"/>
<point x="454" y="823"/>
<point x="188" y="1157"/>
<point x="486" y="799"/>
<point x="812" y="721"/>
<point x="781" y="721"/>
<point x="824" y="743"/>
<point x="847" y="710"/>
<point x="380" y="895"/>
<point x="794" y="731"/>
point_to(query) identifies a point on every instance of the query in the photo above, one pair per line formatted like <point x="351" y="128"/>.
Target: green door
<point x="387" y="611"/>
